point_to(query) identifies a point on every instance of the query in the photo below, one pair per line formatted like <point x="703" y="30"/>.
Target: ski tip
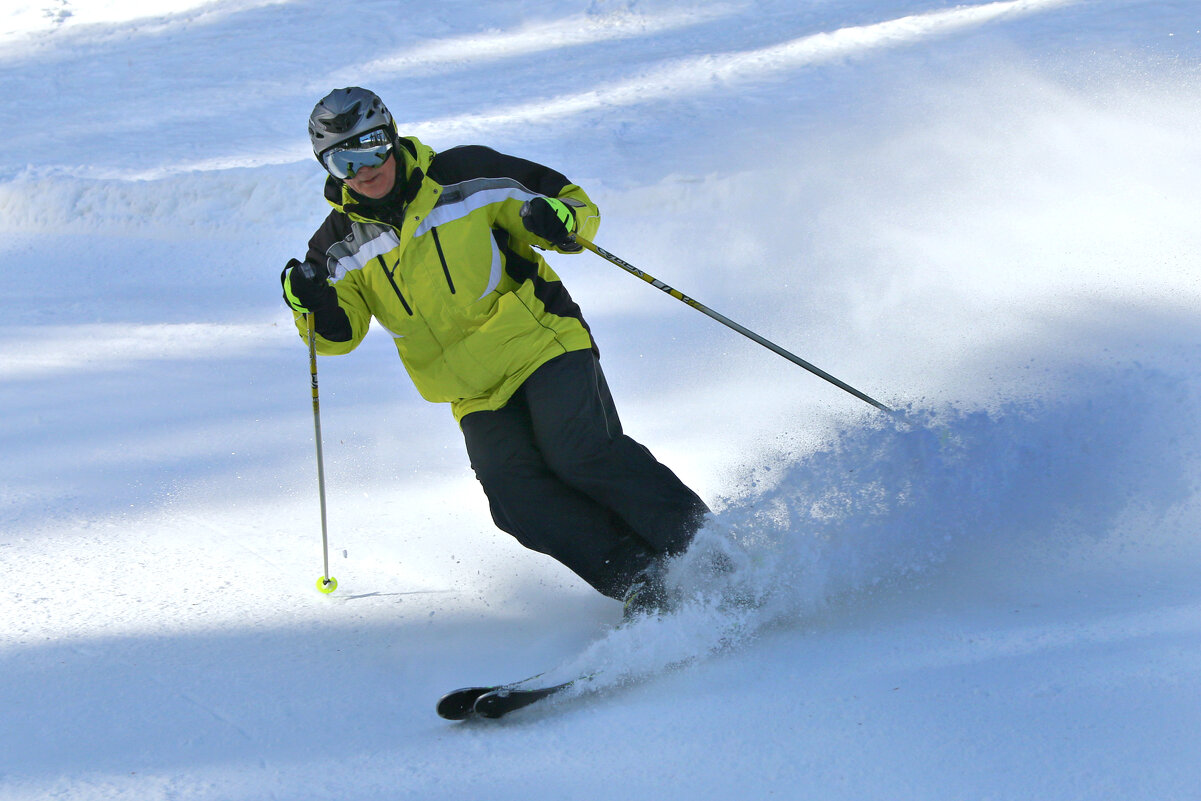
<point x="460" y="704"/>
<point x="492" y="706"/>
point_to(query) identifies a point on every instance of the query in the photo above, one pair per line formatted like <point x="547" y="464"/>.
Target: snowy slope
<point x="984" y="213"/>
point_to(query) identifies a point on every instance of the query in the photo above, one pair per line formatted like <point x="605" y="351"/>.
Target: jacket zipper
<point x="392" y="281"/>
<point x="442" y="257"/>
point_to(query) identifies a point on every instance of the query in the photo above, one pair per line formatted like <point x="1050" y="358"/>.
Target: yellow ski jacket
<point x="446" y="267"/>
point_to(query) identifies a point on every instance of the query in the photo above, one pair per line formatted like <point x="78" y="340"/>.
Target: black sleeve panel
<point x="334" y="229"/>
<point x="476" y="161"/>
<point x="331" y="322"/>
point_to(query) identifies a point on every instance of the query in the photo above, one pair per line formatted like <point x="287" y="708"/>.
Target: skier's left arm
<point x="557" y="207"/>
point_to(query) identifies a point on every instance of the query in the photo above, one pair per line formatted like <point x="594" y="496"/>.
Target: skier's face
<point x="375" y="182"/>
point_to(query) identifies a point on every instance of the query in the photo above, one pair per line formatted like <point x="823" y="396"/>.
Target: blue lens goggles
<point x="345" y="159"/>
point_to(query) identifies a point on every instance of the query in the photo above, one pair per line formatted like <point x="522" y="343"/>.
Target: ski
<point x="498" y="700"/>
<point x="501" y="701"/>
<point x="460" y="704"/>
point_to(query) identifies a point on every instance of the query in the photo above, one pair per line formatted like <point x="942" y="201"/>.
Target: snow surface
<point x="985" y="213"/>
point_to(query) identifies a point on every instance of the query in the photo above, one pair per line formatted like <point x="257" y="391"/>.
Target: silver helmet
<point x="344" y="114"/>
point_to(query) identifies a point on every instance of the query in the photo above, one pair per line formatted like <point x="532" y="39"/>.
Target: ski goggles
<point x="345" y="159"/>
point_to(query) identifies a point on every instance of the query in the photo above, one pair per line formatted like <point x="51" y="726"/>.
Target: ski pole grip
<point x="305" y="268"/>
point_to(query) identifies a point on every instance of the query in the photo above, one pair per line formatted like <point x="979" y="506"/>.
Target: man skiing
<point x="439" y="248"/>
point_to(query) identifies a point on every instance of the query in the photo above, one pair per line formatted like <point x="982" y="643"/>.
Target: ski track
<point x="97" y="347"/>
<point x="655" y="82"/>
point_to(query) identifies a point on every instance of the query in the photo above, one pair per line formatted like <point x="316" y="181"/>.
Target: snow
<point x="981" y="213"/>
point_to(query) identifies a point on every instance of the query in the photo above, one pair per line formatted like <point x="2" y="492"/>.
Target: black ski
<point x="460" y="704"/>
<point x="503" y="700"/>
<point x="498" y="700"/>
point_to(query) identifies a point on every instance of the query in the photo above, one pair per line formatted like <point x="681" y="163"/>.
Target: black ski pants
<point x="563" y="479"/>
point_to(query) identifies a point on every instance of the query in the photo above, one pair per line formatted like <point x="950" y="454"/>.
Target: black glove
<point x="551" y="219"/>
<point x="307" y="289"/>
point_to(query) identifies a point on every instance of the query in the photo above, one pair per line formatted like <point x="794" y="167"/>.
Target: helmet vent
<point x="341" y="123"/>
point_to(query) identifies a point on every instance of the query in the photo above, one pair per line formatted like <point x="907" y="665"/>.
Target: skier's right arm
<point x="340" y="315"/>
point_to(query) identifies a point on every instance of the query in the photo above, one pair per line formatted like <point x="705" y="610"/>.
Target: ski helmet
<point x="346" y="113"/>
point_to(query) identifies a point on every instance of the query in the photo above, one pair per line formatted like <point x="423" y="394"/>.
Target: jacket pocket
<point x="395" y="288"/>
<point x="442" y="258"/>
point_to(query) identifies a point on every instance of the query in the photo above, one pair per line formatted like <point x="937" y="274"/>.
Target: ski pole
<point x="726" y="321"/>
<point x="326" y="583"/>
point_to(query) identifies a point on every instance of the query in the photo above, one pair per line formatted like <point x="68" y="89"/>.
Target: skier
<point x="440" y="249"/>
